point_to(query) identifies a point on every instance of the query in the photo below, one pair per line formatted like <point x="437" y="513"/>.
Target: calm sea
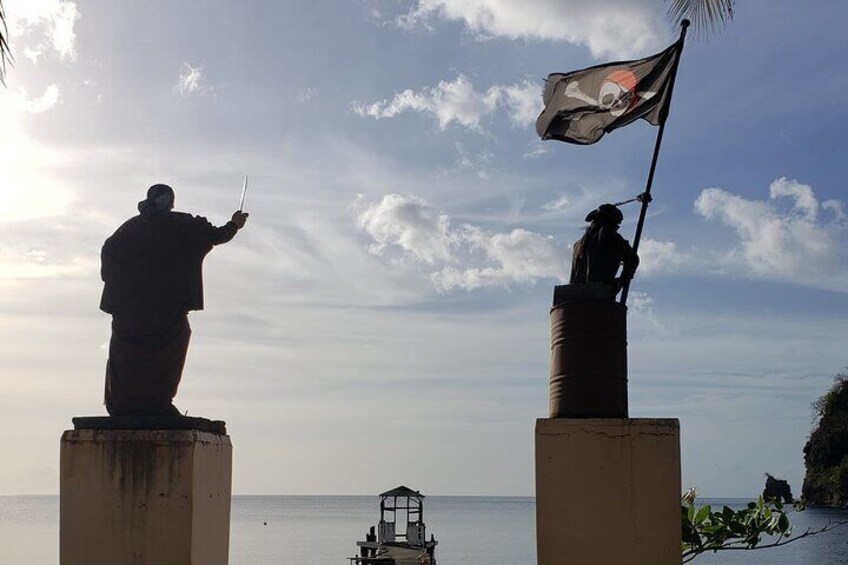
<point x="322" y="530"/>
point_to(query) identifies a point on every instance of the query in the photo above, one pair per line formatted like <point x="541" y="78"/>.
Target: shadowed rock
<point x="777" y="489"/>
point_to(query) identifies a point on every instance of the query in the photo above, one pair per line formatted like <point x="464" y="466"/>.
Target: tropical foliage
<point x="706" y="15"/>
<point x="761" y="524"/>
<point x="5" y="54"/>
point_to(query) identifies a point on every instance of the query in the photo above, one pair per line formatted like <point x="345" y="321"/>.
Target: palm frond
<point x="707" y="16"/>
<point x="5" y="53"/>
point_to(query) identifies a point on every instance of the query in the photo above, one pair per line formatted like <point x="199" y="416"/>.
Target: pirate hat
<point x="607" y="214"/>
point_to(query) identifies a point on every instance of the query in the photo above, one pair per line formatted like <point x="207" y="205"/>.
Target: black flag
<point x="581" y="106"/>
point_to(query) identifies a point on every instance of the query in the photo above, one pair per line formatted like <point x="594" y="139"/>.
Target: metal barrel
<point x="589" y="360"/>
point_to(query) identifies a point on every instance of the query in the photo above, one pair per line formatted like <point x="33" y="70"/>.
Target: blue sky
<point x="383" y="318"/>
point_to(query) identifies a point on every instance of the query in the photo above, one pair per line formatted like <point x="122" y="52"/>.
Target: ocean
<point x="323" y="530"/>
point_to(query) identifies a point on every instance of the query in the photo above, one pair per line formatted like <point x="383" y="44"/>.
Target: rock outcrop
<point x="826" y="452"/>
<point x="777" y="489"/>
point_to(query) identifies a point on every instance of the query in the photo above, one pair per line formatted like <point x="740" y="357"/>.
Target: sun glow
<point x="29" y="187"/>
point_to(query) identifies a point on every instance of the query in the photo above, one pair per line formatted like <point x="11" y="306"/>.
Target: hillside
<point x="826" y="452"/>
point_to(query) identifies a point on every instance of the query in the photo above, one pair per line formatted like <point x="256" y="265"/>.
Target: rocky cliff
<point x="826" y="452"/>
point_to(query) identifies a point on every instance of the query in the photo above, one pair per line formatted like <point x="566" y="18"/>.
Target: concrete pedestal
<point x="145" y="497"/>
<point x="608" y="491"/>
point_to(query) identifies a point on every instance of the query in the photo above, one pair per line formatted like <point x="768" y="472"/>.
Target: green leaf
<point x="702" y="514"/>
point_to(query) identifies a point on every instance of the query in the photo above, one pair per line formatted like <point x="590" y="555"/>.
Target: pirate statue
<point x="601" y="251"/>
<point x="152" y="273"/>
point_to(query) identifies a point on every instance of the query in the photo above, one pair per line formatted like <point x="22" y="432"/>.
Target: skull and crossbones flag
<point x="581" y="106"/>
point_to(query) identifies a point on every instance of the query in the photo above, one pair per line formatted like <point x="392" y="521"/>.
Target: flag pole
<point x="645" y="197"/>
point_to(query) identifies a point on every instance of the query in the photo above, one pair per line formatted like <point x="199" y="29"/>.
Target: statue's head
<point x="606" y="215"/>
<point x="160" y="198"/>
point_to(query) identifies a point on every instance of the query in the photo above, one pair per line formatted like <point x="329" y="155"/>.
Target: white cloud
<point x="409" y="223"/>
<point x="805" y="200"/>
<point x="49" y="22"/>
<point x="62" y="31"/>
<point x="793" y="244"/>
<point x="455" y="101"/>
<point x="660" y="256"/>
<point x="32" y="54"/>
<point x="560" y="203"/>
<point x="191" y="80"/>
<point x="837" y="209"/>
<point x="519" y="256"/>
<point x="469" y="256"/>
<point x="458" y="101"/>
<point x="524" y="102"/>
<point x="479" y="162"/>
<point x="537" y="149"/>
<point x="37" y="263"/>
<point x="642" y="304"/>
<point x="45" y="101"/>
<point x="613" y="28"/>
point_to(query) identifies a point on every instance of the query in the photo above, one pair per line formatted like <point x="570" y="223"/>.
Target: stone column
<point x="608" y="491"/>
<point x="145" y="496"/>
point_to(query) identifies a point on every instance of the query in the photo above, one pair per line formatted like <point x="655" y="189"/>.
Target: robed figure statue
<point x="152" y="270"/>
<point x="601" y="251"/>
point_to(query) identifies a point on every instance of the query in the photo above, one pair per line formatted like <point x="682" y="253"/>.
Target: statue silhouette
<point x="602" y="250"/>
<point x="152" y="273"/>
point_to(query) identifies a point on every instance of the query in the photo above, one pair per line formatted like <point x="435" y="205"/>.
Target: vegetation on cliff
<point x="826" y="452"/>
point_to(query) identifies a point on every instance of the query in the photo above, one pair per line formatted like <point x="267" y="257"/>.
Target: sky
<point x="383" y="318"/>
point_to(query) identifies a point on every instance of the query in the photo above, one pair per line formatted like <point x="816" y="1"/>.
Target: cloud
<point x="837" y="209"/>
<point x="660" y="257"/>
<point x="467" y="257"/>
<point x="45" y="101"/>
<point x="523" y="101"/>
<point x="37" y="263"/>
<point x="537" y="149"/>
<point x="409" y="223"/>
<point x="560" y="203"/>
<point x="32" y="54"/>
<point x="49" y="22"/>
<point x="479" y="162"/>
<point x="519" y="256"/>
<point x="792" y="243"/>
<point x="458" y="101"/>
<point x="642" y="304"/>
<point x="610" y="29"/>
<point x="191" y="80"/>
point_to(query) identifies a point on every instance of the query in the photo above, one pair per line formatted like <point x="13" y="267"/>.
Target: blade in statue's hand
<point x="243" y="192"/>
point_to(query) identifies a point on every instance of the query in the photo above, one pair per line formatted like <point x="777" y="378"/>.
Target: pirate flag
<point x="581" y="106"/>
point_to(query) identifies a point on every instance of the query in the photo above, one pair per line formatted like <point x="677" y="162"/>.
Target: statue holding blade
<point x="152" y="273"/>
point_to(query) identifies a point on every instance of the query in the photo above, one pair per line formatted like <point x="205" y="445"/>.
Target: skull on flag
<point x="618" y="92"/>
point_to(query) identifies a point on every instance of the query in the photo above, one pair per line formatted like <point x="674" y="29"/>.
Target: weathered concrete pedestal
<point x="608" y="491"/>
<point x="145" y="496"/>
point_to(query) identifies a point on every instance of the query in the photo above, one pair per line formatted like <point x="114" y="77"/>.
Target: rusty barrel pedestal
<point x="588" y="354"/>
